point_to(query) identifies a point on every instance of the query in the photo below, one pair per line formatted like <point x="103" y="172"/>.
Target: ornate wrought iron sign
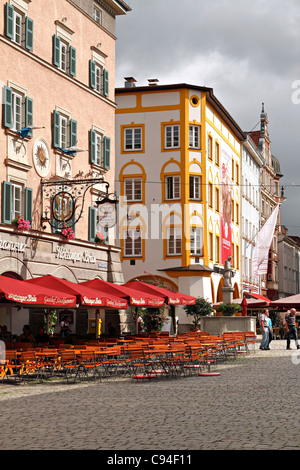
<point x="62" y="202"/>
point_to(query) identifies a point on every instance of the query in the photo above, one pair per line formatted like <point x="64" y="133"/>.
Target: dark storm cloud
<point x="247" y="51"/>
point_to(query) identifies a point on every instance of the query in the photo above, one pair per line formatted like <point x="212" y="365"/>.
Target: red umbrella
<point x="84" y="294"/>
<point x="24" y="293"/>
<point x="134" y="296"/>
<point x="171" y="298"/>
<point x="244" y="304"/>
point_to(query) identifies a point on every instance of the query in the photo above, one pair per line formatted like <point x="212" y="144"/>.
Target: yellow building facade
<point x="178" y="171"/>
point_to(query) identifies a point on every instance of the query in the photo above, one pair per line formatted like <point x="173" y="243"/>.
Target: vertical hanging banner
<point x="263" y="242"/>
<point x="225" y="219"/>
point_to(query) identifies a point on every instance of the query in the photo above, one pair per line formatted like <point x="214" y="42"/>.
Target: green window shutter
<point x="92" y="74"/>
<point x="105" y="82"/>
<point x="56" y="50"/>
<point x="28" y="113"/>
<point x="55" y="129"/>
<point x="72" y="61"/>
<point x="7" y="108"/>
<point x="29" y="33"/>
<point x="73" y="133"/>
<point x="92" y="223"/>
<point x="106" y="235"/>
<point x="106" y="162"/>
<point x="9" y="20"/>
<point x="28" y="204"/>
<point x="6" y="202"/>
<point x="92" y="146"/>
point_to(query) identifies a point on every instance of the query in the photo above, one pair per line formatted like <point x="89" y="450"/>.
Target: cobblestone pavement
<point x="251" y="405"/>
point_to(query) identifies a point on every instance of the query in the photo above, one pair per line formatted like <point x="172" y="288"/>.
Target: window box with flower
<point x="68" y="233"/>
<point x="21" y="224"/>
<point x="99" y="238"/>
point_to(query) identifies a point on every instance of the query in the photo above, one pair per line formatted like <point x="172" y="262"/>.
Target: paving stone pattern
<point x="251" y="405"/>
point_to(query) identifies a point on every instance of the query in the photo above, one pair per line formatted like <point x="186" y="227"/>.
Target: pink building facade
<point x="57" y="81"/>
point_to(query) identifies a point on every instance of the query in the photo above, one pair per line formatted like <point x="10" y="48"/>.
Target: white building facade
<point x="251" y="202"/>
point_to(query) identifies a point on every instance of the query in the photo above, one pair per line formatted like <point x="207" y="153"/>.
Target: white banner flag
<point x="263" y="242"/>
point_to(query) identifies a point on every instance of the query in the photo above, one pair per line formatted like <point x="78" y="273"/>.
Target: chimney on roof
<point x="130" y="82"/>
<point x="153" y="81"/>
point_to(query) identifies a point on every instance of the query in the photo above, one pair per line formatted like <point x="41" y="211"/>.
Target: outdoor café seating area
<point x="135" y="357"/>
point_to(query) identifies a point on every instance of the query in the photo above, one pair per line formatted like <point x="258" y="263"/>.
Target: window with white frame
<point x="133" y="189"/>
<point x="172" y="187"/>
<point x="195" y="187"/>
<point x="97" y="15"/>
<point x="132" y="242"/>
<point x="64" y="129"/>
<point x="172" y="136"/>
<point x="194" y="136"/>
<point x="18" y="26"/>
<point x="133" y="138"/>
<point x="17" y="110"/>
<point x="64" y="54"/>
<point x="174" y="241"/>
<point x="17" y="201"/>
<point x="196" y="241"/>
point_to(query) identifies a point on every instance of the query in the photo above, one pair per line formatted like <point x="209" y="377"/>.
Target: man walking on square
<point x="290" y="323"/>
<point x="264" y="326"/>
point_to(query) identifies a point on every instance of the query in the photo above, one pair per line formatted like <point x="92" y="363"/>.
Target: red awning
<point x="293" y="301"/>
<point x="134" y="296"/>
<point x="24" y="293"/>
<point x="84" y="295"/>
<point x="257" y="296"/>
<point x="171" y="298"/>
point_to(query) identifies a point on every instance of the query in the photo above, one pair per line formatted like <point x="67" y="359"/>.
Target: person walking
<point x="264" y="326"/>
<point x="270" y="330"/>
<point x="290" y="323"/>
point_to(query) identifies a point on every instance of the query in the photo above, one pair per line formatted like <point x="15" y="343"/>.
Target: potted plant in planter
<point x="68" y="233"/>
<point x="228" y="309"/>
<point x="202" y="308"/>
<point x="21" y="224"/>
<point x="99" y="238"/>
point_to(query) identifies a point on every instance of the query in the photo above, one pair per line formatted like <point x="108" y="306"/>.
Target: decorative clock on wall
<point x="41" y="157"/>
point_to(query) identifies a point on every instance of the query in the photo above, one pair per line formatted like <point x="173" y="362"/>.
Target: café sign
<point x="68" y="255"/>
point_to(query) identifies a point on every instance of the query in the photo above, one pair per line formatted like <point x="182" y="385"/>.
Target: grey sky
<point x="248" y="51"/>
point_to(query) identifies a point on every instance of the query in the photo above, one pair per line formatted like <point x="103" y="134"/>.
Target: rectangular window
<point x="195" y="187"/>
<point x="194" y="136"/>
<point x="210" y="195"/>
<point x="210" y="246"/>
<point x="63" y="63"/>
<point x="97" y="15"/>
<point x="174" y="241"/>
<point x="18" y="26"/>
<point x="172" y="136"/>
<point x="18" y="20"/>
<point x="209" y="147"/>
<point x="98" y="149"/>
<point x="133" y="139"/>
<point x="64" y="55"/>
<point x="132" y="242"/>
<point x="63" y="131"/>
<point x="17" y="110"/>
<point x="133" y="189"/>
<point x="217" y="153"/>
<point x="196" y="240"/>
<point x="173" y="187"/>
<point x="217" y="248"/>
<point x="17" y="201"/>
<point x="217" y="199"/>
